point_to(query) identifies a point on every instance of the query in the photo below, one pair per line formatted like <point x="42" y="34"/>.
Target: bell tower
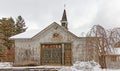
<point x="64" y="22"/>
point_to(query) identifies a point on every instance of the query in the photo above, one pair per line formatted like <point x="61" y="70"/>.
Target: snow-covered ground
<point x="5" y="64"/>
<point x="86" y="66"/>
<point x="78" y="66"/>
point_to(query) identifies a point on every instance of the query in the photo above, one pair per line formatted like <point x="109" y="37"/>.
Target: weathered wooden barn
<point x="54" y="45"/>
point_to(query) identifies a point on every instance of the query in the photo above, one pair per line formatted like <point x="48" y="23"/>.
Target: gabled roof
<point x="32" y="33"/>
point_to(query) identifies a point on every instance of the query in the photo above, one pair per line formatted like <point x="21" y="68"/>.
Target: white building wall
<point x="26" y="50"/>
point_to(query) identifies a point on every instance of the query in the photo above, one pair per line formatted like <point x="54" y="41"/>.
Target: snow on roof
<point x="113" y="51"/>
<point x="30" y="33"/>
<point x="116" y="51"/>
<point x="26" y="35"/>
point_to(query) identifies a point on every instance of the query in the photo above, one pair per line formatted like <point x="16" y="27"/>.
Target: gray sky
<point x="82" y="14"/>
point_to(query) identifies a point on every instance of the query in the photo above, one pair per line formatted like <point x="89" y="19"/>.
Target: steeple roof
<point x="64" y="17"/>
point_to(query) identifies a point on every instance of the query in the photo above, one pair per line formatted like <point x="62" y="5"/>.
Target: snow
<point x="86" y="66"/>
<point x="5" y="64"/>
<point x="26" y="35"/>
<point x="111" y="70"/>
<point x="116" y="51"/>
<point x="77" y="66"/>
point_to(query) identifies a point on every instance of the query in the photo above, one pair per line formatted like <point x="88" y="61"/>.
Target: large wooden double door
<point x="55" y="54"/>
<point x="51" y="54"/>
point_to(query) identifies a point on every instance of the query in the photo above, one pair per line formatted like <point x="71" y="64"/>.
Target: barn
<point x="54" y="45"/>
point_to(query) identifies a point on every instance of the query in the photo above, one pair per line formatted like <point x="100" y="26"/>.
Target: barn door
<point x="67" y="54"/>
<point x="51" y="54"/>
<point x="56" y="54"/>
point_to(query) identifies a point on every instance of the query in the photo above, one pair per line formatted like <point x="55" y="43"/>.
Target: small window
<point x="113" y="58"/>
<point x="63" y="24"/>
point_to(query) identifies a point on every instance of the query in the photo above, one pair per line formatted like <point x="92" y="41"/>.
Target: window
<point x="113" y="58"/>
<point x="63" y="24"/>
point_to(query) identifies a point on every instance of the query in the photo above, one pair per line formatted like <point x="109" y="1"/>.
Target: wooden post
<point x="62" y="54"/>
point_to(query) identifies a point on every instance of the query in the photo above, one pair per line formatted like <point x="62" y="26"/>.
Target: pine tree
<point x="1" y="44"/>
<point x="20" y="25"/>
<point x="7" y="30"/>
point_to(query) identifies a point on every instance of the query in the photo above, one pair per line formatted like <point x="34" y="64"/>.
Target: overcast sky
<point x="81" y="14"/>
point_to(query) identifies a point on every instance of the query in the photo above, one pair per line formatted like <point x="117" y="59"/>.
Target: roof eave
<point x="19" y="38"/>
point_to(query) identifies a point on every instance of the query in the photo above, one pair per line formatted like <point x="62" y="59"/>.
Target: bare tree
<point x="101" y="43"/>
<point x="114" y="37"/>
<point x="97" y="44"/>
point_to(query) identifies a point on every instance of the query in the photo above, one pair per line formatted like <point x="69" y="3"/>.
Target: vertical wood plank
<point x="62" y="54"/>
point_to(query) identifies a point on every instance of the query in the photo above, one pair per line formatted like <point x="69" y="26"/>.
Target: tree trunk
<point x="102" y="61"/>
